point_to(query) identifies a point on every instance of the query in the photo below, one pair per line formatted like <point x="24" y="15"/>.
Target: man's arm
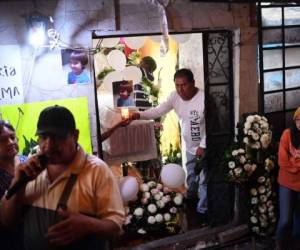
<point x="109" y="132"/>
<point x="75" y="226"/>
<point x="158" y="111"/>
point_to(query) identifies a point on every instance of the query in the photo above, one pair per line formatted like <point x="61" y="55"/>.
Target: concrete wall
<point x="75" y="19"/>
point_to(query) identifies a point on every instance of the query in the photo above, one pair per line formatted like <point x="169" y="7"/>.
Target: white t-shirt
<point x="191" y="118"/>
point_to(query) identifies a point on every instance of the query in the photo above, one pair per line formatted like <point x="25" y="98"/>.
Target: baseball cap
<point x="55" y="120"/>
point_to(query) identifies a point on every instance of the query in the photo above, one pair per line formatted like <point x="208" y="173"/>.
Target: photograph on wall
<point x="123" y="94"/>
<point x="75" y="63"/>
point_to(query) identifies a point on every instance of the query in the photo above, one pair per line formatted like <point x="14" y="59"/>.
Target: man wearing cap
<point x="72" y="200"/>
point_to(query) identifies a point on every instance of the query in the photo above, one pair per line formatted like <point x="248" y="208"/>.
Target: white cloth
<point x="135" y="142"/>
<point x="191" y="118"/>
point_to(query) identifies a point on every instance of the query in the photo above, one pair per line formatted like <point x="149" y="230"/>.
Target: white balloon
<point x="111" y="77"/>
<point x="172" y="175"/>
<point x="156" y="38"/>
<point x="129" y="188"/>
<point x="132" y="73"/>
<point x="110" y="42"/>
<point x="116" y="59"/>
<point x="135" y="42"/>
<point x="181" y="38"/>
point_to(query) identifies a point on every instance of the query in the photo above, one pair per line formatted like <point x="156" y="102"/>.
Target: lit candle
<point x="125" y="113"/>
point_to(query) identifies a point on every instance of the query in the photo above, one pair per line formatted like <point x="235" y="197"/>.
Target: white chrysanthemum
<point x="173" y="210"/>
<point x="242" y="159"/>
<point x="151" y="184"/>
<point x="269" y="203"/>
<point x="154" y="191"/>
<point x="246" y="140"/>
<point x="138" y="212"/>
<point x="261" y="189"/>
<point x="159" y="186"/>
<point x="245" y="131"/>
<point x="255" y="229"/>
<point x="263" y="198"/>
<point x="231" y="164"/>
<point x="152" y="208"/>
<point x="254" y="200"/>
<point x="241" y="151"/>
<point x="237" y="171"/>
<point x="265" y="140"/>
<point x="271" y="215"/>
<point x="166" y="198"/>
<point x="234" y="153"/>
<point x="158" y="218"/>
<point x="128" y="220"/>
<point x="261" y="179"/>
<point x="141" y="231"/>
<point x="271" y="208"/>
<point x="146" y="195"/>
<point x="255" y="136"/>
<point x="144" y="187"/>
<point x="269" y="164"/>
<point x="178" y="155"/>
<point x="247" y="125"/>
<point x="178" y="199"/>
<point x="253" y="220"/>
<point x="151" y="220"/>
<point x="262" y="208"/>
<point x="253" y="191"/>
<point x="144" y="200"/>
<point x="167" y="217"/>
<point x="160" y="204"/>
<point x="250" y="119"/>
<point x="157" y="197"/>
<point x="263" y="217"/>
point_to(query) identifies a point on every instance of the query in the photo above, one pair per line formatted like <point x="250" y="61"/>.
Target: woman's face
<point x="8" y="143"/>
<point x="297" y="122"/>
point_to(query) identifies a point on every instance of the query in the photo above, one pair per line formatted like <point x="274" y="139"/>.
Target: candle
<point x="125" y="113"/>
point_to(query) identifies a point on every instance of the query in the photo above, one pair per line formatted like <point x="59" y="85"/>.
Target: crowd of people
<point x="68" y="199"/>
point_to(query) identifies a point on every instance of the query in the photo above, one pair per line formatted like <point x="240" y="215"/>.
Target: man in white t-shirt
<point x="188" y="103"/>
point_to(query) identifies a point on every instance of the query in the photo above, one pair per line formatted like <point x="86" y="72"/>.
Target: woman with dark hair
<point x="9" y="159"/>
<point x="288" y="229"/>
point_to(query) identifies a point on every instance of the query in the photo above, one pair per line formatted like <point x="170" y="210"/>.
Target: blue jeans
<point x="197" y="183"/>
<point x="289" y="214"/>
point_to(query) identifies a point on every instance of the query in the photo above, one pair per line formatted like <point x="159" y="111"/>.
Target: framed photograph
<point x="76" y="65"/>
<point x="123" y="94"/>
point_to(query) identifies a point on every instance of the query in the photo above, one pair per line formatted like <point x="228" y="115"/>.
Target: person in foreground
<point x="9" y="159"/>
<point x="288" y="228"/>
<point x="73" y="200"/>
<point x="188" y="103"/>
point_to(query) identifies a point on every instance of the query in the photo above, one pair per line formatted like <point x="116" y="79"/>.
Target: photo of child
<point x="77" y="61"/>
<point x="123" y="94"/>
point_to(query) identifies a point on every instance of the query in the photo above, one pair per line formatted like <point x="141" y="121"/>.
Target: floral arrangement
<point x="157" y="209"/>
<point x="240" y="167"/>
<point x="173" y="155"/>
<point x="256" y="132"/>
<point x="251" y="163"/>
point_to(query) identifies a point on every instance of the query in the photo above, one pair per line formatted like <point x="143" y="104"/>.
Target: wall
<point x="74" y="20"/>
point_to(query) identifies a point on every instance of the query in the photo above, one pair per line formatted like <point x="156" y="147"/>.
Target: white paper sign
<point x="11" y="87"/>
